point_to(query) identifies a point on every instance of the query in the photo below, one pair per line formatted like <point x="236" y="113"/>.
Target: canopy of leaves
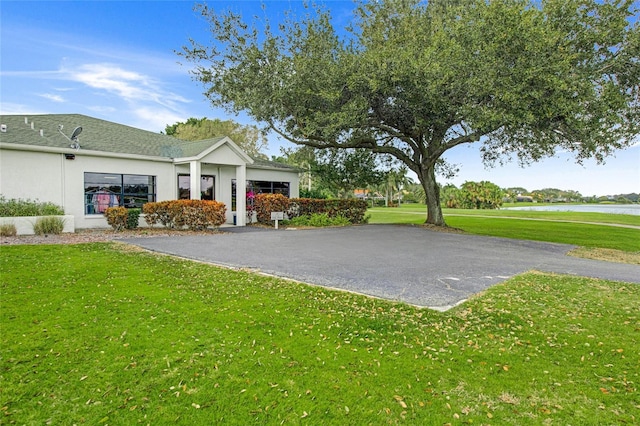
<point x="248" y="137"/>
<point x="333" y="172"/>
<point x="414" y="79"/>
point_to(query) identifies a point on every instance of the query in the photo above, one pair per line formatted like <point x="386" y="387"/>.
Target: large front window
<point x="104" y="190"/>
<point x="207" y="191"/>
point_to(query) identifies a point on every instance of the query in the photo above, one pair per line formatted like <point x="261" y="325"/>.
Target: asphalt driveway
<point x="404" y="263"/>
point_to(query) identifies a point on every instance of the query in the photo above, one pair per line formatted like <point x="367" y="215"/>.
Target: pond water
<point x="633" y="209"/>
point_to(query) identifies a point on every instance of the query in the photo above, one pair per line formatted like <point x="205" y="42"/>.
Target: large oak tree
<point x="413" y="79"/>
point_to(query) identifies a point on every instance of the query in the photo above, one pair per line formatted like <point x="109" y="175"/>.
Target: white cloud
<point x="155" y="120"/>
<point x="52" y="97"/>
<point x="9" y="108"/>
<point x="129" y="85"/>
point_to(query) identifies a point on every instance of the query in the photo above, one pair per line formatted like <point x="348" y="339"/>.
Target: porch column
<point x="194" y="179"/>
<point x="241" y="195"/>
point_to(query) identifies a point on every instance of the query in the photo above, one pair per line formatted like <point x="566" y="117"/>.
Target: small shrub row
<point x="120" y="218"/>
<point x="193" y="214"/>
<point x="317" y="220"/>
<point x="48" y="225"/>
<point x="352" y="210"/>
<point x="15" y="207"/>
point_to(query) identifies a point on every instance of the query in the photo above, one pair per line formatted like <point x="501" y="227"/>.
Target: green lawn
<point x="96" y="334"/>
<point x="559" y="227"/>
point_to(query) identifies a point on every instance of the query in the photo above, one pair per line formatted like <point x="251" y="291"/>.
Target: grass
<point x="558" y="227"/>
<point x="121" y="337"/>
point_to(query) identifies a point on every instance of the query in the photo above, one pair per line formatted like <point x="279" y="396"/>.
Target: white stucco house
<point x="109" y="164"/>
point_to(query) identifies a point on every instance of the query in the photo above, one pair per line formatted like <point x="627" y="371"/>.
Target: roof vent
<point x="42" y="133"/>
<point x="26" y="120"/>
<point x="3" y="128"/>
<point x="32" y="127"/>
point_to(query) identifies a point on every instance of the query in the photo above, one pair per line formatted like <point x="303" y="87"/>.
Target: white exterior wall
<point x="32" y="175"/>
<point x="49" y="177"/>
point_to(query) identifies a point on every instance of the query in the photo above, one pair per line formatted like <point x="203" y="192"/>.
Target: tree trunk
<point x="432" y="192"/>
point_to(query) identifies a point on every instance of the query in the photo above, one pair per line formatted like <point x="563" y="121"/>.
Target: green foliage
<point x="192" y="214"/>
<point x="17" y="207"/>
<point x="413" y="79"/>
<point x="248" y="137"/>
<point x="133" y="216"/>
<point x="481" y="195"/>
<point x="97" y="335"/>
<point x="472" y="195"/>
<point x="340" y="172"/>
<point x="353" y="210"/>
<point x="318" y="220"/>
<point x="334" y="173"/>
<point x="312" y="193"/>
<point x="8" y="230"/>
<point x="48" y="225"/>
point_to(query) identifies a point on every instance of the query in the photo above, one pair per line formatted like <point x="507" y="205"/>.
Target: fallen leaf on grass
<point x="400" y="401"/>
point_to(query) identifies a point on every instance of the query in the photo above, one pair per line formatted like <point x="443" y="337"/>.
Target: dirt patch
<point x="99" y="235"/>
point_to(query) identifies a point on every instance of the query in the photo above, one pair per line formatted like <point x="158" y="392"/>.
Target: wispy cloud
<point x="129" y="85"/>
<point x="52" y="97"/>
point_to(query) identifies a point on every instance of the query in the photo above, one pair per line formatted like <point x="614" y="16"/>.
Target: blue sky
<point x="116" y="60"/>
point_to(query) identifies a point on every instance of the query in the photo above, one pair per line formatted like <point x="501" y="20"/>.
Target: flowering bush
<point x="193" y="214"/>
<point x="250" y="205"/>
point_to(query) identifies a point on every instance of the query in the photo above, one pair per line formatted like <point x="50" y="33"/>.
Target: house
<point x="85" y="165"/>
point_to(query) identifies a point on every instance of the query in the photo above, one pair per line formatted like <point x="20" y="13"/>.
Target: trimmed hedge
<point x="193" y="214"/>
<point x="264" y="204"/>
<point x="351" y="209"/>
<point x="122" y="218"/>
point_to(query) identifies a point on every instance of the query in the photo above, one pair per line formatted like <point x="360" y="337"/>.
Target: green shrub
<point x="48" y="225"/>
<point x="354" y="210"/>
<point x="17" y="207"/>
<point x="8" y="230"/>
<point x="132" y="218"/>
<point x="193" y="214"/>
<point x="318" y="220"/>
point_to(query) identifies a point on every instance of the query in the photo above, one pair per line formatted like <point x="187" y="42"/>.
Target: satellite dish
<point x="75" y="133"/>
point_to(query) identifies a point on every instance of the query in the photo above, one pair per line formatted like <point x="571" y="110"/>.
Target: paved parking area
<point x="396" y="262"/>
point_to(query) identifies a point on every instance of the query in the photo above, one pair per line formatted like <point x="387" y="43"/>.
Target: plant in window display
<point x="251" y="196"/>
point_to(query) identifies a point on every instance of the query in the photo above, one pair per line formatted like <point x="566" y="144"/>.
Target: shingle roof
<point x="97" y="135"/>
<point x="106" y="136"/>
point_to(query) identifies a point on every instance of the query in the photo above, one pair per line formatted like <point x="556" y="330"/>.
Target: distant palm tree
<point x="396" y="181"/>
